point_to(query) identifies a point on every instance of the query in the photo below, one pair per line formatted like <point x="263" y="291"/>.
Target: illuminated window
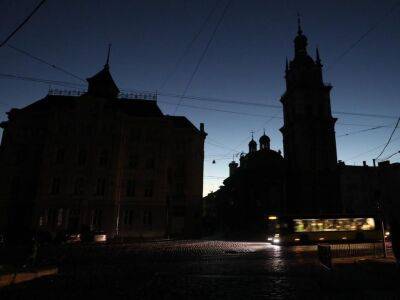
<point x="343" y="224"/>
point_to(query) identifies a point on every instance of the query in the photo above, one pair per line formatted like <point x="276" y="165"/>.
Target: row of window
<point x="129" y="216"/>
<point x="103" y="159"/>
<point x="101" y="187"/>
<point x="69" y="218"/>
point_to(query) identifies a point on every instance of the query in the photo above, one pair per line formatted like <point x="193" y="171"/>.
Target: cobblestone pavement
<point x="205" y="270"/>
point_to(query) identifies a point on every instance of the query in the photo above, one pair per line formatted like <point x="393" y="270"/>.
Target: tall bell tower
<point x="309" y="128"/>
<point x="309" y="134"/>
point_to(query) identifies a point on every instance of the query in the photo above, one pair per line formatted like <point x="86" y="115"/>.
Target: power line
<point x="360" y="131"/>
<point x="189" y="46"/>
<point x="391" y="155"/>
<point x="42" y="80"/>
<point x="197" y="98"/>
<point x="23" y="23"/>
<point x="219" y="110"/>
<point x="44" y="62"/>
<point x="368" y="151"/>
<point x="365" y="34"/>
<point x="390" y="138"/>
<point x="364" y="115"/>
<point x="204" y="52"/>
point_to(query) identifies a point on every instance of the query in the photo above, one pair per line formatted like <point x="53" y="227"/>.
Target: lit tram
<point x="289" y="230"/>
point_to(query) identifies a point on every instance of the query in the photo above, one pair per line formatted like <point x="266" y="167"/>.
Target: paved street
<point x="204" y="269"/>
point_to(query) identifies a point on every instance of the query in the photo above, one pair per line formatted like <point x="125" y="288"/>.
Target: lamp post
<point x="380" y="213"/>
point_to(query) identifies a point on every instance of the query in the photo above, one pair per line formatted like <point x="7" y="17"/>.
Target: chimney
<point x="365" y="163"/>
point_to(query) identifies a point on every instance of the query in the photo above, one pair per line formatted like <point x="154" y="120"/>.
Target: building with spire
<point x="100" y="161"/>
<point x="308" y="180"/>
<point x="309" y="142"/>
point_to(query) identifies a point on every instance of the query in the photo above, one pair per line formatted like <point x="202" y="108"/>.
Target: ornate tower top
<point x="300" y="40"/>
<point x="252" y="144"/>
<point x="102" y="84"/>
<point x="264" y="142"/>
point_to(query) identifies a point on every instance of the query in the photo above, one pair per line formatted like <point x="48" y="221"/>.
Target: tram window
<point x="343" y="224"/>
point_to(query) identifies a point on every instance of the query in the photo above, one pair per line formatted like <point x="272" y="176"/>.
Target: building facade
<point x="101" y="162"/>
<point x="308" y="180"/>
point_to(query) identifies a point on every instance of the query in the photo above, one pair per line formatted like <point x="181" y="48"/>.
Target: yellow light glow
<point x="276" y="240"/>
<point x="296" y="239"/>
<point x="344" y="238"/>
<point x="387" y="233"/>
<point x="321" y="238"/>
<point x="272" y="217"/>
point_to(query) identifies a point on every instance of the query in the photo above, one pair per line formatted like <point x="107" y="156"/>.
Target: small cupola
<point x="252" y="145"/>
<point x="102" y="84"/>
<point x="264" y="142"/>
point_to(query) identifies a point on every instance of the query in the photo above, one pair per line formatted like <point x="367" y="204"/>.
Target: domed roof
<point x="264" y="139"/>
<point x="252" y="142"/>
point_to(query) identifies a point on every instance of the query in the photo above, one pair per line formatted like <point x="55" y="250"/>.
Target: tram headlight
<point x="276" y="240"/>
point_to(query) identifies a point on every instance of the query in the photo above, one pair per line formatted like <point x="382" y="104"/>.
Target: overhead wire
<point x="26" y="53"/>
<point x="209" y="99"/>
<point x="364" y="35"/>
<point x="22" y="24"/>
<point x="390" y="138"/>
<point x="203" y="54"/>
<point x="360" y="131"/>
<point x="190" y="44"/>
<point x="369" y="150"/>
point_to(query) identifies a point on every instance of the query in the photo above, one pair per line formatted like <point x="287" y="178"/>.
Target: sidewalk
<point x="26" y="275"/>
<point x="365" y="260"/>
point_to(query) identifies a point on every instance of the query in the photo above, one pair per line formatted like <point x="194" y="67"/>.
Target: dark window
<point x="147" y="218"/>
<point x="79" y="186"/>
<point x="82" y="155"/>
<point x="101" y="187"/>
<point x="150" y="163"/>
<point x="52" y="217"/>
<point x="309" y="110"/>
<point x="169" y="175"/>
<point x="55" y="186"/>
<point x="14" y="187"/>
<point x="130" y="188"/>
<point x="132" y="161"/>
<point x="148" y="190"/>
<point x="60" y="155"/>
<point x="134" y="135"/>
<point x="128" y="217"/>
<point x="103" y="159"/>
<point x="97" y="215"/>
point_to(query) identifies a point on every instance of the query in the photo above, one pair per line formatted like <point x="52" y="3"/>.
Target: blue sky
<point x="245" y="62"/>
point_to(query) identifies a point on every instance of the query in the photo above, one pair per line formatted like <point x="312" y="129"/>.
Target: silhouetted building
<point x="308" y="134"/>
<point x="102" y="162"/>
<point x="308" y="180"/>
<point x="254" y="187"/>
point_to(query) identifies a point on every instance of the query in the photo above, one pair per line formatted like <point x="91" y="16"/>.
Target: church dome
<point x="252" y="145"/>
<point x="264" y="139"/>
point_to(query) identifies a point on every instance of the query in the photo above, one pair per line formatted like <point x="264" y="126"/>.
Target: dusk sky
<point x="245" y="62"/>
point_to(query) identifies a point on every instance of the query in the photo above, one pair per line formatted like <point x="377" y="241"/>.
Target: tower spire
<point x="318" y="59"/>
<point x="108" y="57"/>
<point x="299" y="30"/>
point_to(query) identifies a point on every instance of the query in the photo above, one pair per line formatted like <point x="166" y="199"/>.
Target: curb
<point x="9" y="279"/>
